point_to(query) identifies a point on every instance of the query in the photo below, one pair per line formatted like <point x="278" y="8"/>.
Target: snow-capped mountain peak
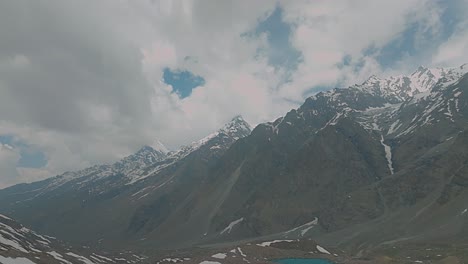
<point x="423" y="79"/>
<point x="147" y="154"/>
<point x="236" y="125"/>
<point x="401" y="87"/>
<point x="372" y="80"/>
<point x="221" y="139"/>
<point x="236" y="128"/>
<point x="159" y="146"/>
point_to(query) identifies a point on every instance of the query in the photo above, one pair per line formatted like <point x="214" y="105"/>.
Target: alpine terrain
<point x="361" y="171"/>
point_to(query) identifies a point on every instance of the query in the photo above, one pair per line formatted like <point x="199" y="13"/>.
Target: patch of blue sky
<point x="280" y="52"/>
<point x="182" y="81"/>
<point x="417" y="41"/>
<point x="345" y="61"/>
<point x="30" y="157"/>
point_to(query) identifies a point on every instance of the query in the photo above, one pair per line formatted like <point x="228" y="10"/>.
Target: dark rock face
<point x="360" y="167"/>
<point x="351" y="158"/>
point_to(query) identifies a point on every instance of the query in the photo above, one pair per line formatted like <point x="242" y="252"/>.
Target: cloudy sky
<point x="86" y="82"/>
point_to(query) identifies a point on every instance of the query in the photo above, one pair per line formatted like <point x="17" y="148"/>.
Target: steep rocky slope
<point x="371" y="172"/>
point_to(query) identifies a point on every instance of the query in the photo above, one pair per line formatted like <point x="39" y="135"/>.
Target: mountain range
<point x="377" y="164"/>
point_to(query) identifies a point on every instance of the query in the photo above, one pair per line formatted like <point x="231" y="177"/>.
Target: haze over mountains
<point x="378" y="163"/>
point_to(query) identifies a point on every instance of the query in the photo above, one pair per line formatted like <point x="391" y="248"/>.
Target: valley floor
<point x="269" y="251"/>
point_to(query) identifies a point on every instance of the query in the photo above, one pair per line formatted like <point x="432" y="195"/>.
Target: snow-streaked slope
<point x="19" y="244"/>
<point x="144" y="157"/>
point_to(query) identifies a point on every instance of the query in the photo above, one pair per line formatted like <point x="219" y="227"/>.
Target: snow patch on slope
<point x="58" y="257"/>
<point x="219" y="256"/>
<point x="228" y="229"/>
<point x="5" y="260"/>
<point x="322" y="250"/>
<point x="12" y="243"/>
<point x="269" y="243"/>
<point x="80" y="258"/>
<point x="388" y="154"/>
<point x="303" y="229"/>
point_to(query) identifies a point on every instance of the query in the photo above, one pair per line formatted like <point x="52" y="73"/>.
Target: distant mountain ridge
<point x="132" y="166"/>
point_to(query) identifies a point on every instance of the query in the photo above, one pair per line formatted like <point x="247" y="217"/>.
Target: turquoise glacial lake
<point x="302" y="261"/>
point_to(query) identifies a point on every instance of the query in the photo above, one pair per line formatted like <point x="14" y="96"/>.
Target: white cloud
<point x="88" y="86"/>
<point x="8" y="159"/>
<point x="327" y="31"/>
<point x="454" y="51"/>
